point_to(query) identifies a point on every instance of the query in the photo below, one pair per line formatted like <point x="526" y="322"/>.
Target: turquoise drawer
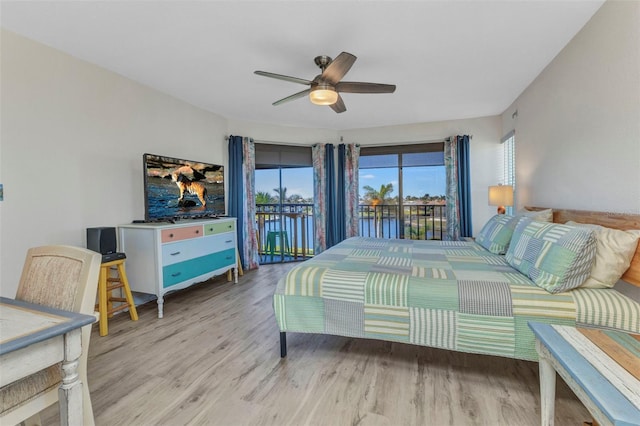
<point x="179" y="272"/>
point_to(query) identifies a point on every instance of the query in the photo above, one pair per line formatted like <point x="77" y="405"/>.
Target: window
<point x="402" y="191"/>
<point x="509" y="161"/>
<point x="284" y="202"/>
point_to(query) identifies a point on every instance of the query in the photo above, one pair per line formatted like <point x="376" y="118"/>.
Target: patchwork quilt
<point x="447" y="294"/>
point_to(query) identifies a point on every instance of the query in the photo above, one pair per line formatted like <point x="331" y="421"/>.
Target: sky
<point x="418" y="181"/>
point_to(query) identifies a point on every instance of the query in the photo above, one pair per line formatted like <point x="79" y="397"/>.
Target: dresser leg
<point x="160" y="306"/>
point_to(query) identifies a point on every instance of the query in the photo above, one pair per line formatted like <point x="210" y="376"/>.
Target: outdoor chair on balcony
<point x="272" y="248"/>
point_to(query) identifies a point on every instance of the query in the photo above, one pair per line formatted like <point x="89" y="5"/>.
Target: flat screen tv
<point x="180" y="189"/>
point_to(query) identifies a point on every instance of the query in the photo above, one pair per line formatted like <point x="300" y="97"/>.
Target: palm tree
<point x="376" y="198"/>
<point x="281" y="194"/>
<point x="263" y="198"/>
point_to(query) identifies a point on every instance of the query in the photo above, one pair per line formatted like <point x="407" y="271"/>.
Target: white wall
<point x="73" y="136"/>
<point x="282" y="134"/>
<point x="578" y="123"/>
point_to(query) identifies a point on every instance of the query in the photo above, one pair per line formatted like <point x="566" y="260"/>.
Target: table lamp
<point x="501" y="196"/>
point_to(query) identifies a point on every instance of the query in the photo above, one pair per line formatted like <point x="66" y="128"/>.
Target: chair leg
<point x="109" y="293"/>
<point x="239" y="266"/>
<point x="127" y="292"/>
<point x="102" y="302"/>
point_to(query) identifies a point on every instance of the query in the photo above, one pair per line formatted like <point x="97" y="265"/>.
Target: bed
<point x="454" y="295"/>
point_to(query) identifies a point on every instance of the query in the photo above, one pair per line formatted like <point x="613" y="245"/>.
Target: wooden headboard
<point x="621" y="221"/>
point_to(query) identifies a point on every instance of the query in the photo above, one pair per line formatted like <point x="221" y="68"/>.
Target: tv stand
<point x="169" y="220"/>
<point x="165" y="257"/>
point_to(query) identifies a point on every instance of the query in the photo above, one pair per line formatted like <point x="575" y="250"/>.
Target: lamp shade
<point x="323" y="94"/>
<point x="501" y="195"/>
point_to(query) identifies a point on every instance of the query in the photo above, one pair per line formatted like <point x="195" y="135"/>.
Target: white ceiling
<point x="449" y="59"/>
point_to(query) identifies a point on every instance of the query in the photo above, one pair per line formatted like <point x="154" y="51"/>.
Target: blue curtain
<point x="236" y="190"/>
<point x="456" y="162"/>
<point x="332" y="219"/>
<point x="464" y="186"/>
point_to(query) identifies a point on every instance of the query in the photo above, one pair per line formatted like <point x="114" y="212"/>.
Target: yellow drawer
<point x="219" y="227"/>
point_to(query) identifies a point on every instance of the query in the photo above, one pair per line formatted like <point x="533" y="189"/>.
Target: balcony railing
<point x="415" y="222"/>
<point x="285" y="231"/>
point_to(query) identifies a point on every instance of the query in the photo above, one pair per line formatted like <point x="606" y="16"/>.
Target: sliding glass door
<point x="284" y="203"/>
<point x="402" y="191"/>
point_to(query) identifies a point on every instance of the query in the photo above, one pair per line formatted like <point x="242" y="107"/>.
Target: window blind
<point x="509" y="161"/>
<point x="270" y="156"/>
<point x="423" y="154"/>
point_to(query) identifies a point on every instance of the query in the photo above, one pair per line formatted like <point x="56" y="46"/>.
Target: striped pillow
<point x="555" y="257"/>
<point x="496" y="233"/>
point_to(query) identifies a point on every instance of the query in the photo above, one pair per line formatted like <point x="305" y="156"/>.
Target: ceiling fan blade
<point x="338" y="68"/>
<point x="292" y="97"/>
<point x="283" y="77"/>
<point x="339" y="105"/>
<point x="359" y="87"/>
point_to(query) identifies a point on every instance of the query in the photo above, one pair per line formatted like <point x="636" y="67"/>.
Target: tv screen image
<point x="176" y="188"/>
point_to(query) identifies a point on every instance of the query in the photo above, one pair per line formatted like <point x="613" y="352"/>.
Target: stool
<point x="106" y="285"/>
<point x="271" y="242"/>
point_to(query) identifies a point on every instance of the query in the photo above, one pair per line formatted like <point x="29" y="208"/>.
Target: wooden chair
<point x="61" y="277"/>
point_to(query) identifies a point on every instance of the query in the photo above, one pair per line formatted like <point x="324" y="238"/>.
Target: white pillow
<point x="614" y="251"/>
<point x="539" y="215"/>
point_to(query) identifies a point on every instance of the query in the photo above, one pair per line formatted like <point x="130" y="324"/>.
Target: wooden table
<point x="601" y="367"/>
<point x="34" y="337"/>
<point x="303" y="224"/>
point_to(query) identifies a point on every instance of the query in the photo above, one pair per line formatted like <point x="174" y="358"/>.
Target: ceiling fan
<point x="326" y="87"/>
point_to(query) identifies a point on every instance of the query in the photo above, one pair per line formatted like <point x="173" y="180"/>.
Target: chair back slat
<point x="60" y="277"/>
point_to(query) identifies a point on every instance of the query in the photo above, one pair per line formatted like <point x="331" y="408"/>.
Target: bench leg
<point x="547" y="391"/>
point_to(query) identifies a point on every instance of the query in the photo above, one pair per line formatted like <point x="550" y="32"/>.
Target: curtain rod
<point x="226" y="138"/>
<point x="411" y="142"/>
<point x="285" y="143"/>
<point x="371" y="145"/>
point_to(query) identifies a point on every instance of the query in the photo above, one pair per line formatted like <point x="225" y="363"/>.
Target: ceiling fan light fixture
<point x="325" y="88"/>
<point x="323" y="95"/>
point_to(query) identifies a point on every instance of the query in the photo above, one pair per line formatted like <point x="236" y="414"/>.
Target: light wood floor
<point x="214" y="359"/>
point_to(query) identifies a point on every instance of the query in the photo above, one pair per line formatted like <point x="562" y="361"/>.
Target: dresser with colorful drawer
<point x="162" y="258"/>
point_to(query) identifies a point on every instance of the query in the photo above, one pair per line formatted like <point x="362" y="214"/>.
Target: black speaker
<point x="102" y="240"/>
